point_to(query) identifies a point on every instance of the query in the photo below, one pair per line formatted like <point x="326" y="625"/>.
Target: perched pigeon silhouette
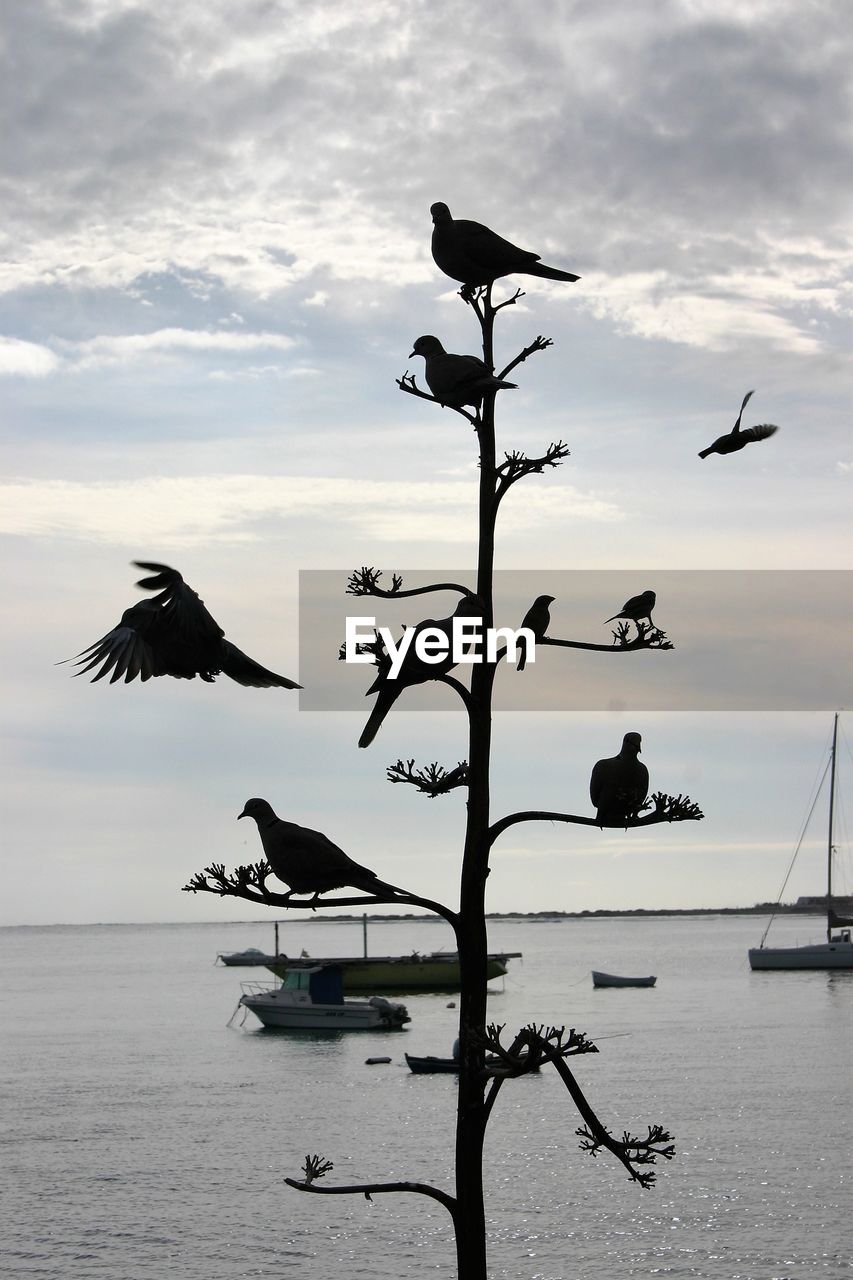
<point x="455" y="380"/>
<point x="737" y="439"/>
<point x="306" y="860"/>
<point x="172" y="635"/>
<point x="618" y="786"/>
<point x="470" y="252"/>
<point x="538" y="619"/>
<point x="413" y="669"/>
<point x="636" y="608"/>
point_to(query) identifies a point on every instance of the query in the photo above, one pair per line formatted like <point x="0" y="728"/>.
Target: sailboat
<point x="837" y="951"/>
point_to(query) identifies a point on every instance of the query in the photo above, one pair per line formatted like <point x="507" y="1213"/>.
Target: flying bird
<point x="636" y="608"/>
<point x="737" y="439"/>
<point x="538" y="620"/>
<point x="306" y="860"/>
<point x="413" y="669"/>
<point x="455" y="380"/>
<point x="470" y="252"/>
<point x="172" y="635"/>
<point x="619" y="785"/>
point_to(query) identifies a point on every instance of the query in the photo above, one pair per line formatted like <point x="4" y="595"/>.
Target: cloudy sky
<point x="215" y="260"/>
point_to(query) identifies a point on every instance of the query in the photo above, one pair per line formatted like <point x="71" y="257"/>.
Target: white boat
<point x="837" y="951"/>
<point x="312" y="1000"/>
<point x="600" y="979"/>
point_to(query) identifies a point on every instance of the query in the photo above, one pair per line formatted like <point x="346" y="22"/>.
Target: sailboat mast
<point x="829" y="849"/>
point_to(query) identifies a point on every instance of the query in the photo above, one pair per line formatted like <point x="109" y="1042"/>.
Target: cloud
<point x="26" y="359"/>
<point x="191" y="509"/>
<point x="121" y="348"/>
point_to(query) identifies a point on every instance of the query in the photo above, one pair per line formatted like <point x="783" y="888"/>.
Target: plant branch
<point x="517" y="465"/>
<point x="249" y="883"/>
<point x="315" y="1167"/>
<point x="538" y="344"/>
<point x="433" y="779"/>
<point x="407" y="383"/>
<point x="365" y="582"/>
<point x="646" y="638"/>
<point x="664" y="808"/>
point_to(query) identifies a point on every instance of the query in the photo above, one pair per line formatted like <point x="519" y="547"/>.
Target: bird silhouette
<point x="306" y="860"/>
<point x="537" y="619"/>
<point x="470" y="252"/>
<point x="413" y="669"/>
<point x="455" y="380"/>
<point x="619" y="785"/>
<point x="738" y="439"/>
<point x="636" y="608"/>
<point x="172" y="635"/>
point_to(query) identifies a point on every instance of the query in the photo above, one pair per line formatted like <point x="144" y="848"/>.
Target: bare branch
<point x="433" y="779"/>
<point x="665" y="808"/>
<point x="370" y="1189"/>
<point x="646" y="638"/>
<point x="407" y="383"/>
<point x="249" y="883"/>
<point x="517" y="465"/>
<point x="538" y="344"/>
<point x="365" y="582"/>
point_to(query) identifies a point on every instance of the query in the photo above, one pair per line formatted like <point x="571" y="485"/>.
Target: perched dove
<point x="455" y="380"/>
<point x="737" y="439"/>
<point x="414" y="670"/>
<point x="538" y="619"/>
<point x="636" y="608"/>
<point x="172" y="635"/>
<point x="618" y="786"/>
<point x="306" y="860"/>
<point x="470" y="252"/>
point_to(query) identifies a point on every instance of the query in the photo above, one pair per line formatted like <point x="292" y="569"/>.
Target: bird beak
<point x="242" y="815"/>
<point x="412" y="354"/>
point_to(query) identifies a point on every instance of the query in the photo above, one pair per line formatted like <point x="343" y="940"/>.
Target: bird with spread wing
<point x="172" y="635"/>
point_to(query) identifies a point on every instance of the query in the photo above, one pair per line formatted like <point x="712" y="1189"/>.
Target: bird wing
<point x="240" y="667"/>
<point x="746" y="400"/>
<point x="759" y="432"/>
<point x="489" y="249"/>
<point x="184" y="613"/>
<point x="597" y="780"/>
<point x="122" y="651"/>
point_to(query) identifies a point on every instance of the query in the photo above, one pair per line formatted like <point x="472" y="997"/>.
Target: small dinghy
<point x="614" y="980"/>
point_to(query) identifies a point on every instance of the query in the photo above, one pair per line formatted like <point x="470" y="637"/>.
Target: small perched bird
<point x="306" y="860"/>
<point x="538" y="620"/>
<point x="737" y="439"/>
<point x="636" y="608"/>
<point x="455" y="380"/>
<point x="172" y="635"/>
<point x="470" y="252"/>
<point x="413" y="669"/>
<point x="619" y="785"/>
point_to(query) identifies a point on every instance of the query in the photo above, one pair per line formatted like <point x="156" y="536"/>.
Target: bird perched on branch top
<point x="413" y="669"/>
<point x="636" y="608"/>
<point x="455" y="380"/>
<point x="172" y="635"/>
<point x="538" y="620"/>
<point x="306" y="860"/>
<point x="470" y="252"/>
<point x="619" y="785"/>
<point x="737" y="439"/>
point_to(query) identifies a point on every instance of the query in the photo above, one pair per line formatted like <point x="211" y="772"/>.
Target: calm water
<point x="144" y="1138"/>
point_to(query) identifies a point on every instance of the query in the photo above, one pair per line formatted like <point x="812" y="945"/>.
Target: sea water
<point x="144" y="1137"/>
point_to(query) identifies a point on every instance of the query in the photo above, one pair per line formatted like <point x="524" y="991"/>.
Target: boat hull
<point x="277" y="1012"/>
<point x="396" y="973"/>
<point x="820" y="955"/>
<point x="600" y="979"/>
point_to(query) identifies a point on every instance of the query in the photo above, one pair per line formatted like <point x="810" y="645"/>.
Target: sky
<point x="214" y="261"/>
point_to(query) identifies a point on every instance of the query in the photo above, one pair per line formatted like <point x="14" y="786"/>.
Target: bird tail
<point x="384" y="702"/>
<point x="549" y="273"/>
<point x="703" y="453"/>
<point x="240" y="667"/>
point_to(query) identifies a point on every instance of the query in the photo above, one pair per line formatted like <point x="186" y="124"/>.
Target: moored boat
<point x="837" y="951"/>
<point x="600" y="979"/>
<point x="312" y="1000"/>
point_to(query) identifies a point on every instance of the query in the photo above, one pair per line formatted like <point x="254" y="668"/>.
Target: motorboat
<point x="312" y="999"/>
